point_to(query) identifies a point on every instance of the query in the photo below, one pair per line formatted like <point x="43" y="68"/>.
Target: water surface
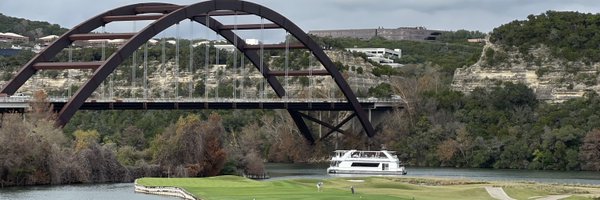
<point x="286" y="171"/>
<point x="78" y="192"/>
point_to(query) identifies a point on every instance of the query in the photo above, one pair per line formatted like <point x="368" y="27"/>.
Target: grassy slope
<point x="232" y="187"/>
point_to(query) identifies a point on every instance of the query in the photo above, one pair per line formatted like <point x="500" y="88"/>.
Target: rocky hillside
<point x="554" y="53"/>
<point x="357" y="71"/>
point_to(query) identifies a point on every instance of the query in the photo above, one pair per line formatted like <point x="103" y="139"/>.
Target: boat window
<point x="335" y="163"/>
<point x="358" y="164"/>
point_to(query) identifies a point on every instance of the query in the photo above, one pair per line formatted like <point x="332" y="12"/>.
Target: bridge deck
<point x="20" y="105"/>
<point x="219" y="105"/>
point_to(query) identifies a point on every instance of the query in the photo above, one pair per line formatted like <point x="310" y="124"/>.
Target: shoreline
<point x="164" y="191"/>
<point x="430" y="171"/>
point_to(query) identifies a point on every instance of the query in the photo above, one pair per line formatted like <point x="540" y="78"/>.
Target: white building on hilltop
<point x="226" y="45"/>
<point x="12" y="37"/>
<point x="380" y="55"/>
<point x="47" y="40"/>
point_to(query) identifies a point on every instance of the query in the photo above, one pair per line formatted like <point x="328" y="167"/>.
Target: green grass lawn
<point x="233" y="187"/>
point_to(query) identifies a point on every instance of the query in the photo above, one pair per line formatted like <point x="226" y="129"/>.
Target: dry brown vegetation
<point x="191" y="147"/>
<point x="33" y="150"/>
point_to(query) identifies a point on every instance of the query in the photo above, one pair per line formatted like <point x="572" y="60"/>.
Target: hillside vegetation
<point x="503" y="125"/>
<point x="28" y="28"/>
<point x="569" y="35"/>
<point x="451" y="52"/>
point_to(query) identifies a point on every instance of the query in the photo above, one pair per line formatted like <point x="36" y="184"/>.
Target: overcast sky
<point x="482" y="15"/>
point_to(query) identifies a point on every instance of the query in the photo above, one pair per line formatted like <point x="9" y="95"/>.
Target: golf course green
<point x="379" y="188"/>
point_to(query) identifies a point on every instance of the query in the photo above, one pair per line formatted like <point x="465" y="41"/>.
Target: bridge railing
<point x="15" y="99"/>
<point x="224" y="100"/>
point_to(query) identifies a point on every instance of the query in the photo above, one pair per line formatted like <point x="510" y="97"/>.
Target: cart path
<point x="498" y="193"/>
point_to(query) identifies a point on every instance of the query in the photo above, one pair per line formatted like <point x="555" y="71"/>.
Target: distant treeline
<point x="569" y="35"/>
<point x="28" y="28"/>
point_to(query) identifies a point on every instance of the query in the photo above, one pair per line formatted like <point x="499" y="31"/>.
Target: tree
<point x="286" y="143"/>
<point x="359" y="70"/>
<point x="41" y="109"/>
<point x="589" y="154"/>
<point x="192" y="145"/>
<point x="214" y="154"/>
<point x="133" y="136"/>
<point x="340" y="66"/>
<point x="253" y="164"/>
<point x="382" y="90"/>
<point x="447" y="149"/>
<point x="180" y="143"/>
<point x="199" y="88"/>
<point x="22" y="154"/>
<point x="85" y="139"/>
<point x="98" y="164"/>
<point x="32" y="153"/>
<point x="408" y="91"/>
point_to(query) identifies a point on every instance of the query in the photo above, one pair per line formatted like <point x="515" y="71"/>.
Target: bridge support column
<point x="304" y="130"/>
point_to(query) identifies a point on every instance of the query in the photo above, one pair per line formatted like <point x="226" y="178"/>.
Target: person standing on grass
<point x="352" y="189"/>
<point x="319" y="185"/>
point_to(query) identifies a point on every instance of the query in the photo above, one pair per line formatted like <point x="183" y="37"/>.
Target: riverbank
<point x="164" y="190"/>
<point x="233" y="187"/>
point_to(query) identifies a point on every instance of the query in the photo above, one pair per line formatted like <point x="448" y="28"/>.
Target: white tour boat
<point x="365" y="162"/>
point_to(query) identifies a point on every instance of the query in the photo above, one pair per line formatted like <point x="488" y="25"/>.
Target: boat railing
<point x="349" y="154"/>
<point x="364" y="154"/>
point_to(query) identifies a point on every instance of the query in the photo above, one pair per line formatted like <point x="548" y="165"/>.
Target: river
<point x="77" y="192"/>
<point x="287" y="171"/>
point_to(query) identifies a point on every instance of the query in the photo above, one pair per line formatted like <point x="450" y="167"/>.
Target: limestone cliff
<point x="161" y="81"/>
<point x="551" y="79"/>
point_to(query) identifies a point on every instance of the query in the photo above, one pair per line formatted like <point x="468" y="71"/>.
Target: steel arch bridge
<point x="165" y="15"/>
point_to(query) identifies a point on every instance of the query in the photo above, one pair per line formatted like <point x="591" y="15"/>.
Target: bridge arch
<point x="168" y="15"/>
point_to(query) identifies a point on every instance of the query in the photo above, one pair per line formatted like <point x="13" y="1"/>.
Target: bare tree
<point x="447" y="149"/>
<point x="133" y="136"/>
<point x="589" y="153"/>
<point x="410" y="89"/>
<point x="192" y="144"/>
<point x="214" y="154"/>
<point x="41" y="109"/>
<point x="253" y="164"/>
<point x="31" y="153"/>
<point x="287" y="145"/>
